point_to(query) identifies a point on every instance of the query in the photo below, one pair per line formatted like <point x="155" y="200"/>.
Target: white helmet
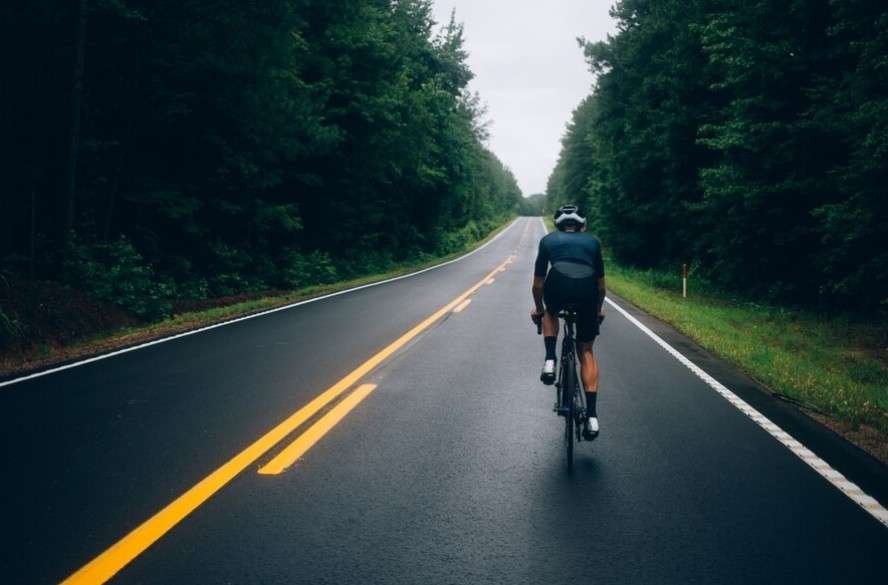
<point x="568" y="214"/>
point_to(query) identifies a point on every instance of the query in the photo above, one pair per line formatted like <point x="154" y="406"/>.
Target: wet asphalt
<point x="451" y="471"/>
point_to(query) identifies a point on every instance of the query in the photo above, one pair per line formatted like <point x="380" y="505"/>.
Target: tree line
<point x="164" y="149"/>
<point x="748" y="138"/>
<point x="533" y="205"/>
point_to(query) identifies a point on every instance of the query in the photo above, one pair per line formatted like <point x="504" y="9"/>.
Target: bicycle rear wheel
<point x="568" y="388"/>
<point x="579" y="412"/>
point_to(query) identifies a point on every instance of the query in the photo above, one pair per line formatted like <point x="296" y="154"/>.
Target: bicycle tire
<point x="568" y="388"/>
<point x="579" y="412"/>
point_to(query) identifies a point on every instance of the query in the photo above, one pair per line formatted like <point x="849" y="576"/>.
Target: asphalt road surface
<point x="450" y="471"/>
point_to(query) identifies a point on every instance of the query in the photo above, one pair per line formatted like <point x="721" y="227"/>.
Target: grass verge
<point x="836" y="369"/>
<point x="43" y="356"/>
<point x="831" y="366"/>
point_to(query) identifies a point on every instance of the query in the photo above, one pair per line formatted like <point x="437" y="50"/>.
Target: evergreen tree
<point x="746" y="137"/>
<point x="241" y="146"/>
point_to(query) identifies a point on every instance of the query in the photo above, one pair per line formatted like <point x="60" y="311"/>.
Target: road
<point x="449" y="471"/>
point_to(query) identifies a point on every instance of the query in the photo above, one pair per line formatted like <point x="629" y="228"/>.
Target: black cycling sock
<point x="550" y="347"/>
<point x="591" y="400"/>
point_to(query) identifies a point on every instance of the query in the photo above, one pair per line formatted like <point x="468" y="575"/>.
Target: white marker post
<point x="684" y="281"/>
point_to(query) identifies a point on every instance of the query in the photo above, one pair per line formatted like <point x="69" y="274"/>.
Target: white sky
<point x="530" y="73"/>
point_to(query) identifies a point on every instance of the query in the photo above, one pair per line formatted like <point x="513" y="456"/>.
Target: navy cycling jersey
<point x="574" y="247"/>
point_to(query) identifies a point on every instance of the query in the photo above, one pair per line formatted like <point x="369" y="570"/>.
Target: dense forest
<point x="749" y="138"/>
<point x="162" y="150"/>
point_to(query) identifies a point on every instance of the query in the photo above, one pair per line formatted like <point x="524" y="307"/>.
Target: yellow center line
<point x="490" y="280"/>
<point x="306" y="440"/>
<point x="460" y="307"/>
<point x="120" y="554"/>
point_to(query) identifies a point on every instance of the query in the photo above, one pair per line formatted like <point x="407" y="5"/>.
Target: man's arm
<point x="602" y="288"/>
<point x="540" y="268"/>
<point x="602" y="291"/>
<point x="537" y="291"/>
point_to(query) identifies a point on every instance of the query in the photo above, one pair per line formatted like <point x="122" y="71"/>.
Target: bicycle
<point x="570" y="400"/>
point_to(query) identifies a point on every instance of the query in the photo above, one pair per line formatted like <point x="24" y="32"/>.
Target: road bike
<point x="570" y="400"/>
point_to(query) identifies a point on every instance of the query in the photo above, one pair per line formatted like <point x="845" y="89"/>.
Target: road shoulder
<point x="852" y="460"/>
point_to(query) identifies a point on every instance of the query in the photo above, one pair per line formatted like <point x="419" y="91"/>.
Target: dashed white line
<point x="461" y="307"/>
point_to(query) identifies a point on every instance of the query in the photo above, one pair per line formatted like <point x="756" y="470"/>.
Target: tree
<point x="229" y="146"/>
<point x="747" y="137"/>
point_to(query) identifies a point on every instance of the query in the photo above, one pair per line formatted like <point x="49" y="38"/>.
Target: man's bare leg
<point x="588" y="367"/>
<point x="550" y="336"/>
<point x="589" y="376"/>
<point x="550" y="325"/>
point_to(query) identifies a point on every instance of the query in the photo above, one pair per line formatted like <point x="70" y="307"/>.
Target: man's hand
<point x="536" y="316"/>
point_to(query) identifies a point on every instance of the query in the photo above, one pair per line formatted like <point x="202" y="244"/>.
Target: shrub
<point x="9" y="329"/>
<point x="227" y="283"/>
<point x="357" y="263"/>
<point x="192" y="289"/>
<point x="460" y="239"/>
<point x="233" y="271"/>
<point x="305" y="269"/>
<point x="117" y="273"/>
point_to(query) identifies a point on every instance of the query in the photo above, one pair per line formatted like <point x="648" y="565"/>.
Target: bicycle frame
<point x="568" y="359"/>
<point x="570" y="401"/>
<point x="568" y="354"/>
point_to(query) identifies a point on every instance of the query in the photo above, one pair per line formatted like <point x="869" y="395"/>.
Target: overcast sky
<point x="530" y="73"/>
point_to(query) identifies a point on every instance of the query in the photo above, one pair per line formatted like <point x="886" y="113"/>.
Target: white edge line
<point x="838" y="480"/>
<point x="252" y="316"/>
<point x="851" y="490"/>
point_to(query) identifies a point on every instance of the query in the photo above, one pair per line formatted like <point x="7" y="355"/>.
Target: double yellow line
<point x="112" y="560"/>
<point x="306" y="440"/>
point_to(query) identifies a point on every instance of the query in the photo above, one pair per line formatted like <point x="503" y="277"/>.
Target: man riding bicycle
<point x="576" y="277"/>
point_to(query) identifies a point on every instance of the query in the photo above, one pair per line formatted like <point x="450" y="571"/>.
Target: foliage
<point x="9" y="329"/>
<point x="747" y="138"/>
<point x="533" y="205"/>
<point x="237" y="146"/>
<point x="305" y="269"/>
<point x="116" y="272"/>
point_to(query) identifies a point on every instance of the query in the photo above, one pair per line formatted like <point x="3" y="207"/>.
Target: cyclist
<point x="577" y="277"/>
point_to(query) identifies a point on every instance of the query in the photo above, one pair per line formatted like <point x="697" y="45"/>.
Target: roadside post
<point x="684" y="281"/>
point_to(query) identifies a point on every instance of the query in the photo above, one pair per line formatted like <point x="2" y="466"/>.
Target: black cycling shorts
<point x="574" y="284"/>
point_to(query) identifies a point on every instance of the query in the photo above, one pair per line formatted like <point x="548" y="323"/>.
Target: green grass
<point x="833" y="365"/>
<point x="829" y="365"/>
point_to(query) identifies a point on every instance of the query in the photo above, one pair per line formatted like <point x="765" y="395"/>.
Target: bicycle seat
<point x="569" y="311"/>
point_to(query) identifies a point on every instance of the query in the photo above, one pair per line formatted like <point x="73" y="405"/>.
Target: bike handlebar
<point x="540" y="324"/>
